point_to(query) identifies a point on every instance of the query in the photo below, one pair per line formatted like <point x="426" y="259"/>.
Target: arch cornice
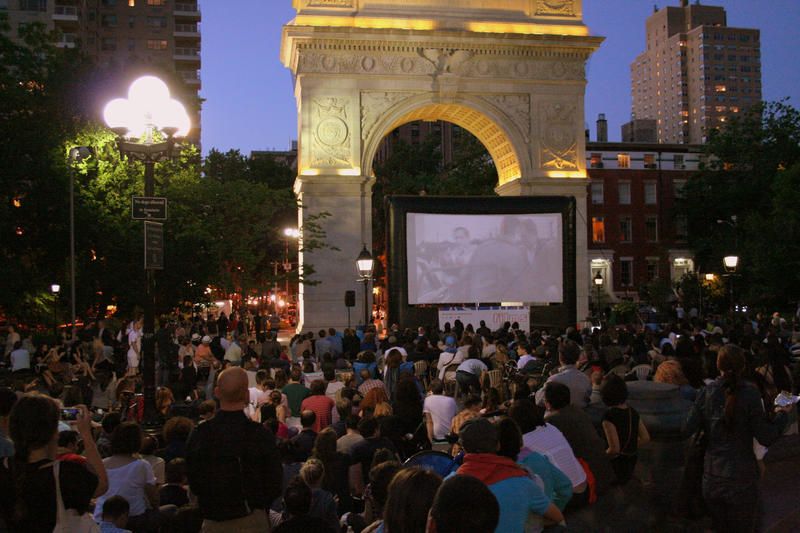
<point x="500" y="133"/>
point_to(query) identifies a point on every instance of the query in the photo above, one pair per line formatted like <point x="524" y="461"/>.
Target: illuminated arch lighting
<point x="478" y="124"/>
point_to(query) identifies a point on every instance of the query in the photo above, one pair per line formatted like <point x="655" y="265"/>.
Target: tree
<point x="752" y="174"/>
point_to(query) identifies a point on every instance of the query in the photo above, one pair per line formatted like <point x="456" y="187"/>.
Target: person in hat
<point x="516" y="491"/>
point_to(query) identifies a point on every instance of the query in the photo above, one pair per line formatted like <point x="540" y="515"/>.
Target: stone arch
<point x="497" y="132"/>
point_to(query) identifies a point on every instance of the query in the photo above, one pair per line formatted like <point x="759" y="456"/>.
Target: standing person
<point x="468" y="373"/>
<point x="730" y="412"/>
<point x="167" y="353"/>
<point x="28" y="499"/>
<point x="295" y="393"/>
<point x="623" y="428"/>
<point x="134" y="347"/>
<point x="233" y="463"/>
<point x="580" y="387"/>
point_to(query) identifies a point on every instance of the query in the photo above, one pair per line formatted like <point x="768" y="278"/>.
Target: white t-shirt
<point x="332" y="388"/>
<point x="550" y="442"/>
<point x="442" y="410"/>
<point x="524" y="360"/>
<point x="129" y="482"/>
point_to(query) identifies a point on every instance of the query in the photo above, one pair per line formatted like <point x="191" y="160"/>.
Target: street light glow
<point x="148" y="106"/>
<point x="55" y="288"/>
<point x="731" y="262"/>
<point x="293" y="233"/>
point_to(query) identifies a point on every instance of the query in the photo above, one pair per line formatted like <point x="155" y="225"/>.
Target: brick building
<point x="634" y="235"/>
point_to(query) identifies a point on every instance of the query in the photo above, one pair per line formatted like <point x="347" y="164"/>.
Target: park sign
<point x="148" y="208"/>
<point x="153" y="245"/>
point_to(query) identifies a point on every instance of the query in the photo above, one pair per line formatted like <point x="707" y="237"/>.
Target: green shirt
<point x="295" y="394"/>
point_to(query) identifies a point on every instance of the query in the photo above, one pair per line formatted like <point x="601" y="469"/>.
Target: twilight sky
<point x="249" y="94"/>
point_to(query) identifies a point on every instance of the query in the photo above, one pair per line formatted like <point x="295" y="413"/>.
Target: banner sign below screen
<point x="494" y="317"/>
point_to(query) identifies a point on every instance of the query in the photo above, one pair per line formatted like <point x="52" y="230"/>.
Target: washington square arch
<point x="511" y="72"/>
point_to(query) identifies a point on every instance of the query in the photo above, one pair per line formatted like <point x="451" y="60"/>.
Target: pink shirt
<point x="322" y="407"/>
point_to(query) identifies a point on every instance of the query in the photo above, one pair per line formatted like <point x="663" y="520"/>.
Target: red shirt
<point x="321" y="405"/>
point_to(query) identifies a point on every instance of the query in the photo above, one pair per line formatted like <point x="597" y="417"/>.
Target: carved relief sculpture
<point x="559" y="148"/>
<point x="555" y="7"/>
<point x="374" y="105"/>
<point x="330" y="147"/>
<point x="516" y="106"/>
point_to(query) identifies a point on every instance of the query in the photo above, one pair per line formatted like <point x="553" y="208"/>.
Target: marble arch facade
<point x="512" y="72"/>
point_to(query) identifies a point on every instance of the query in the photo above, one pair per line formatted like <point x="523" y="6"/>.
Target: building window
<point x="649" y="160"/>
<point x="108" y="21"/>
<point x="108" y="44"/>
<point x="625" y="229"/>
<point x="651" y="229"/>
<point x="626" y="272"/>
<point x="131" y="22"/>
<point x="131" y="3"/>
<point x="650" y="193"/>
<point x="33" y="5"/>
<point x="131" y="44"/>
<point x="652" y="268"/>
<point x="596" y="161"/>
<point x="156" y="2"/>
<point x="624" y="160"/>
<point x="157" y="22"/>
<point x="678" y="163"/>
<point x="156" y="44"/>
<point x="624" y="188"/>
<point x="681" y="228"/>
<point x="598" y="229"/>
<point x="597" y="192"/>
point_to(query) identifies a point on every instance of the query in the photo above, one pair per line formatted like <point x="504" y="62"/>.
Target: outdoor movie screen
<point x="455" y="258"/>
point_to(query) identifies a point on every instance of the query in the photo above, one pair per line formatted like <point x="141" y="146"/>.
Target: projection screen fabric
<point x="454" y="258"/>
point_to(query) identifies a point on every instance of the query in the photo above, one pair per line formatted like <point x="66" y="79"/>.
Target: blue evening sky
<point x="249" y="94"/>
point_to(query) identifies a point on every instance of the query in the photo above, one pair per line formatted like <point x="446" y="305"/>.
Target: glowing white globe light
<point x="148" y="89"/>
<point x="172" y="114"/>
<point x="118" y="113"/>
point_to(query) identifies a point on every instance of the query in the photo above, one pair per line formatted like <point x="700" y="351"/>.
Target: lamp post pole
<point x="365" y="264"/>
<point x="148" y="111"/>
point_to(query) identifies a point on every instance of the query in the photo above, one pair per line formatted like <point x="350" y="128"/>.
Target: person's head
<point x="343" y="408"/>
<point x="295" y="375"/>
<point x="231" y="389"/>
<point x="382" y="409"/>
<point x="261" y="377"/>
<point x="526" y="414"/>
<point x="313" y="472"/>
<point x="207" y="409"/>
<point x="126" y="439"/>
<point x="731" y="365"/>
<point x="411" y="494"/>
<point x="613" y="391"/>
<point x="317" y="387"/>
<point x="569" y="353"/>
<point x="463" y="504"/>
<point x="69" y="440"/>
<point x="149" y="445"/>
<point x="177" y="429"/>
<point x="351" y="422"/>
<point x="329" y="373"/>
<point x="380" y="476"/>
<point x="523" y="348"/>
<point x="670" y="371"/>
<point x="297" y="497"/>
<point x="325" y="444"/>
<point x="307" y="418"/>
<point x="473" y="403"/>
<point x="164" y="399"/>
<point x="509" y="438"/>
<point x="321" y="333"/>
<point x="478" y="435"/>
<point x="436" y="386"/>
<point x="115" y="510"/>
<point x="175" y="471"/>
<point x="110" y="422"/>
<point x="556" y="396"/>
<point x="365" y="374"/>
<point x="368" y="427"/>
<point x="33" y="425"/>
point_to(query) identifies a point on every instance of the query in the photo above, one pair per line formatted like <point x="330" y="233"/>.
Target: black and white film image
<point x="484" y="258"/>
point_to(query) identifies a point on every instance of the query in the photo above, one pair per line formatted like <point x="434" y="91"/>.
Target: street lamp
<point x="598" y="283"/>
<point x="147" y="124"/>
<point x="289" y="233"/>
<point x="731" y="262"/>
<point x="365" y="263"/>
<point x="55" y="288"/>
<point x="77" y="154"/>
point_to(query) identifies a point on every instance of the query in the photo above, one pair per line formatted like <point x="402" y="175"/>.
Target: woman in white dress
<point x="134" y="347"/>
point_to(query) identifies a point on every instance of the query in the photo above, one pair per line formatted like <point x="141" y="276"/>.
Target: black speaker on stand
<point x="349" y="301"/>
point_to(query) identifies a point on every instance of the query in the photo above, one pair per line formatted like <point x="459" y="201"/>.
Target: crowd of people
<point x="454" y="429"/>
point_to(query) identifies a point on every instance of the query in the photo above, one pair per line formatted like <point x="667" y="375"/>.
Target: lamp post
<point x="147" y="124"/>
<point x="76" y="155"/>
<point x="598" y="283"/>
<point x="731" y="263"/>
<point x="365" y="263"/>
<point x="55" y="288"/>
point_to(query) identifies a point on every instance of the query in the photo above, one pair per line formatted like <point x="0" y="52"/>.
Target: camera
<point x="70" y="414"/>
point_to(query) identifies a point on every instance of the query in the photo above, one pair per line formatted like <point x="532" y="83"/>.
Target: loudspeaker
<point x="350" y="298"/>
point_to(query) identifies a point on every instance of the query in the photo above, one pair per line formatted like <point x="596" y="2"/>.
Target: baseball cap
<point x="478" y="435"/>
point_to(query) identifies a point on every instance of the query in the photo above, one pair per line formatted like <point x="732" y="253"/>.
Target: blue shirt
<point x="518" y="497"/>
<point x="557" y="485"/>
<point x="108" y="527"/>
